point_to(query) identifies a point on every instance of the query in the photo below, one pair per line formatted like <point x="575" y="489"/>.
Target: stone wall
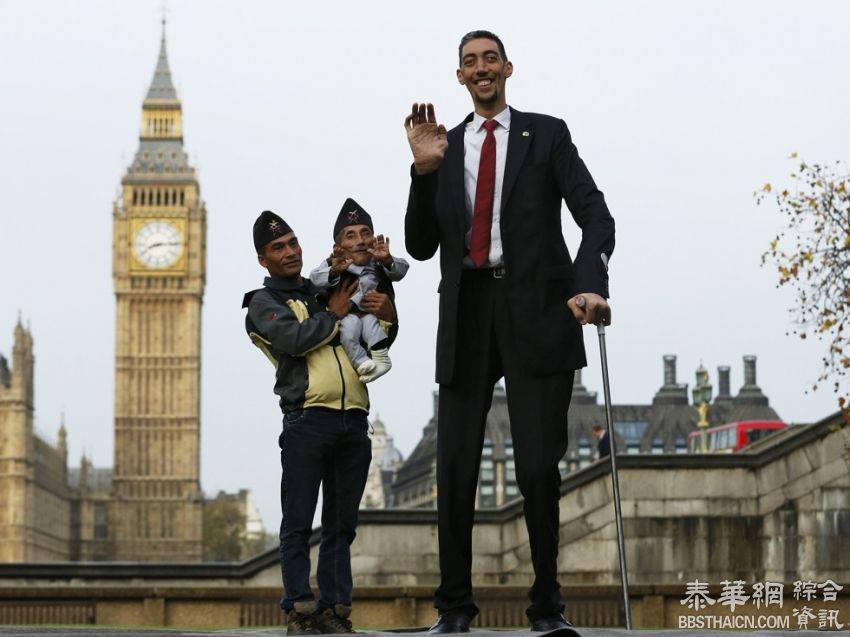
<point x="778" y="513"/>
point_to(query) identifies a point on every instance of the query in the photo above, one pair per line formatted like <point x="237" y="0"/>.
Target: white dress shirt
<point x="473" y="140"/>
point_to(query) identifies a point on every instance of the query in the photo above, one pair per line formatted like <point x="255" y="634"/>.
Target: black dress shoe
<point x="555" y="622"/>
<point x="450" y="623"/>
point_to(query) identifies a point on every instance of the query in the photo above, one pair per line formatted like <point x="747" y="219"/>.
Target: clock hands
<point x="159" y="245"/>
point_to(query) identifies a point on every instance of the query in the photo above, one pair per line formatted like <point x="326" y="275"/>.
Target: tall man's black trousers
<point x="537" y="405"/>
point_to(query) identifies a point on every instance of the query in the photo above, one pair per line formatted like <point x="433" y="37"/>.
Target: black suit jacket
<point x="542" y="168"/>
<point x="604" y="446"/>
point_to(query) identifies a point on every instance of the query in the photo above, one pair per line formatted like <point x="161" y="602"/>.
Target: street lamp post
<point x="702" y="396"/>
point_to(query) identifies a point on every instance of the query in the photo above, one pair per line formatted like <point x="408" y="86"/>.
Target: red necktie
<point x="482" y="214"/>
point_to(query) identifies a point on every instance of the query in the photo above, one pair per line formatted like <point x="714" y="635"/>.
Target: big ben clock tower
<point x="158" y="264"/>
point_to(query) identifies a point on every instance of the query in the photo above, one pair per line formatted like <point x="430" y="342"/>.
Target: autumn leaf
<point x="816" y="261"/>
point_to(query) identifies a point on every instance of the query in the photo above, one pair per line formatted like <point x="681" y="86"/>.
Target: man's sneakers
<point x="381" y="365"/>
<point x="301" y="623"/>
<point x="334" y="621"/>
<point x="330" y="621"/>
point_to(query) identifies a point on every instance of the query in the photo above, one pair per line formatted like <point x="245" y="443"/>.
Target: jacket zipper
<point x="341" y="379"/>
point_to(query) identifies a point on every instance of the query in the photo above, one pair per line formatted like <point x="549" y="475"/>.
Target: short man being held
<point x="359" y="255"/>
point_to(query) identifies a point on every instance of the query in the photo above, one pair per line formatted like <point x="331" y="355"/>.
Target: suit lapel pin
<point x="525" y="133"/>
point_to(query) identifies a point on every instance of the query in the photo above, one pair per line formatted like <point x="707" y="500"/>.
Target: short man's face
<point x="282" y="257"/>
<point x="483" y="72"/>
<point x="355" y="242"/>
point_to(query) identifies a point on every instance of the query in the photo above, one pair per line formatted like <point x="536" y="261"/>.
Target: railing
<point x="229" y="606"/>
<point x="374" y="607"/>
<point x="47" y="612"/>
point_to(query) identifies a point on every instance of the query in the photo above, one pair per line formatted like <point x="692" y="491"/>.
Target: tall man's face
<point x="483" y="72"/>
<point x="282" y="257"/>
<point x="355" y="242"/>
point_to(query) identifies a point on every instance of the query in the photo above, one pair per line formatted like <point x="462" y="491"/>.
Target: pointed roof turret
<point x="19" y="327"/>
<point x="160" y="152"/>
<point x="63" y="437"/>
<point x="20" y="335"/>
<point x="580" y="394"/>
<point x="162" y="88"/>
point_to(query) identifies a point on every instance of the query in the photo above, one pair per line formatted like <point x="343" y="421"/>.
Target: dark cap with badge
<point x="268" y="227"/>
<point x="352" y="214"/>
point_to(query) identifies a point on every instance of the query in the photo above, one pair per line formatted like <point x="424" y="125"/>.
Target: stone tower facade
<point x="386" y="460"/>
<point x="159" y="257"/>
<point x="33" y="495"/>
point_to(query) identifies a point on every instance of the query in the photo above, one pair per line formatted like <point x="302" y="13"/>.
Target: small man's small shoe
<point x="450" y="623"/>
<point x="381" y="364"/>
<point x="366" y="367"/>
<point x="555" y="622"/>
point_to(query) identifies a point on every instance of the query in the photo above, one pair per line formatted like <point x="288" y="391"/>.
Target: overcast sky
<point x="680" y="110"/>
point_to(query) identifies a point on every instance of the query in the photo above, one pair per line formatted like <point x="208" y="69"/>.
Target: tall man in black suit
<point x="488" y="194"/>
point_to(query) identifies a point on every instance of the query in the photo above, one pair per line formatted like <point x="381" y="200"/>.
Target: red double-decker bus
<point x="734" y="436"/>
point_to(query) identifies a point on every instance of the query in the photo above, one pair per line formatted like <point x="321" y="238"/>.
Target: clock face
<point x="158" y="244"/>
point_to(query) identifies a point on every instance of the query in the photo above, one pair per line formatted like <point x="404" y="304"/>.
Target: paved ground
<point x="29" y="631"/>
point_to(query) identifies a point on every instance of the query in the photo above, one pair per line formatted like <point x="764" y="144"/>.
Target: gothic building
<point x="34" y="505"/>
<point x="148" y="506"/>
<point x="386" y="460"/>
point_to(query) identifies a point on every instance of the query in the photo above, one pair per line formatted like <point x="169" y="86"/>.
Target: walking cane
<point x="618" y="514"/>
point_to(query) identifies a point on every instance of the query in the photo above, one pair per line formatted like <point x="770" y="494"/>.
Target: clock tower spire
<point x="159" y="265"/>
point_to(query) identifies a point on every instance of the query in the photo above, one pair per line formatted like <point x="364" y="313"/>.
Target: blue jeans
<point x="332" y="448"/>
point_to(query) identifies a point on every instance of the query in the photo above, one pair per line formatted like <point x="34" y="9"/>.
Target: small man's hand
<point x="426" y="137"/>
<point x="590" y="308"/>
<point x="339" y="262"/>
<point x="339" y="301"/>
<point x="378" y="304"/>
<point x="380" y="250"/>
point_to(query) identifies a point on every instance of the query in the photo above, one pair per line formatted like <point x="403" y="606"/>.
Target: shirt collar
<point x="276" y="283"/>
<point x="504" y="119"/>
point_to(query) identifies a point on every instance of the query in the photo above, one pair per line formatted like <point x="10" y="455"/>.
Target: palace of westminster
<point x="149" y="505"/>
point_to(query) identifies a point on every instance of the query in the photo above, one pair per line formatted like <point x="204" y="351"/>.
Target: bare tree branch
<point x="812" y="256"/>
